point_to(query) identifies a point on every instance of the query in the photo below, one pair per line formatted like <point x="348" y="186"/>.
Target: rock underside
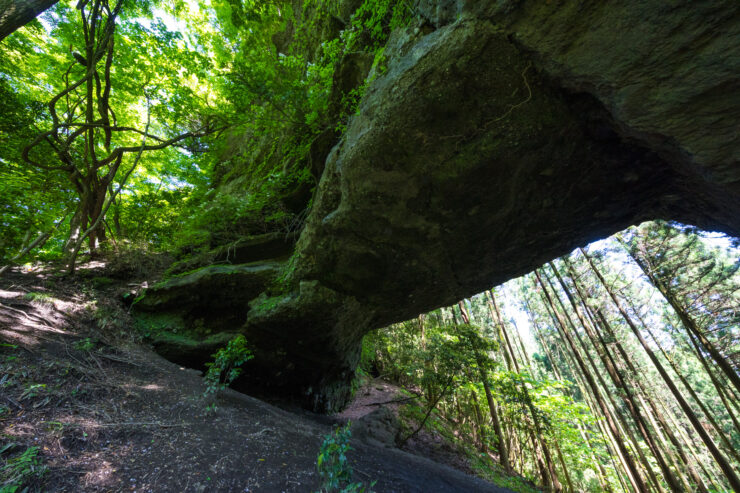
<point x="501" y="135"/>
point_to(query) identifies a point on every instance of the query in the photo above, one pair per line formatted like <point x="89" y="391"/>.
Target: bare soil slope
<point x="109" y="415"/>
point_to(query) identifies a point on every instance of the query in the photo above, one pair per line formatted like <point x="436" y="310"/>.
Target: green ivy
<point x="226" y="365"/>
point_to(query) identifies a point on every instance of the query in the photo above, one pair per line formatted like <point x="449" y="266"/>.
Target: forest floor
<point x="375" y="393"/>
<point x="84" y="406"/>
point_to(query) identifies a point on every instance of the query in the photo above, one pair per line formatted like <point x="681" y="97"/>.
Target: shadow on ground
<point x="109" y="415"/>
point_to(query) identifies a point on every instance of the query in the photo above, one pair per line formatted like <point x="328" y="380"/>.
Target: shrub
<point x="22" y="472"/>
<point x="333" y="466"/>
<point x="226" y="364"/>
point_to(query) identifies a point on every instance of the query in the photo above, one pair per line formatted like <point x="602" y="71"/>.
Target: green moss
<point x="40" y="297"/>
<point x="101" y="282"/>
<point x="151" y="324"/>
<point x="266" y="304"/>
<point x="283" y="282"/>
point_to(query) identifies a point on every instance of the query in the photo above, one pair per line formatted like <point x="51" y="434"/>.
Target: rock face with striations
<point x="502" y="135"/>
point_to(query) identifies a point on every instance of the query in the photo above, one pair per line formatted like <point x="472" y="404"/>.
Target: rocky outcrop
<point x="501" y="137"/>
<point x="189" y="317"/>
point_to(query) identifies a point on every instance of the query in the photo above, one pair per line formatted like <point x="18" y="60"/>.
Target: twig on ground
<point x="13" y="401"/>
<point x="118" y="359"/>
<point x="134" y="423"/>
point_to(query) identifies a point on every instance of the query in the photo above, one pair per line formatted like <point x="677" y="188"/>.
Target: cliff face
<point x="500" y="135"/>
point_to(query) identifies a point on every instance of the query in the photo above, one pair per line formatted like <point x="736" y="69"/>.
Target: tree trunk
<point x="550" y="464"/>
<point x="707" y="413"/>
<point x="618" y="384"/>
<point x="503" y="453"/>
<point x="688" y="322"/>
<point x="635" y="476"/>
<point x="478" y="415"/>
<point x="628" y="396"/>
<point x="558" y="376"/>
<point x="687" y="385"/>
<point x="17" y="13"/>
<point x="721" y="460"/>
<point x="658" y="416"/>
<point x="710" y="475"/>
<point x="717" y="385"/>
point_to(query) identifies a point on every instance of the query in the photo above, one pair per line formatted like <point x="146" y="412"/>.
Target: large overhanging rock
<point x="504" y="138"/>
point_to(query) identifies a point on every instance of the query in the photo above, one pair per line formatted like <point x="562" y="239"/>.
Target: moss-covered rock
<point x="511" y="133"/>
<point x="188" y="317"/>
<point x="216" y="286"/>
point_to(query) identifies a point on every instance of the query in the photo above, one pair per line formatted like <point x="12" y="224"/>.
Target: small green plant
<point x="333" y="466"/>
<point x="102" y="282"/>
<point x="33" y="390"/>
<point x="226" y="365"/>
<point x="40" y="297"/>
<point x="17" y="474"/>
<point x="86" y="344"/>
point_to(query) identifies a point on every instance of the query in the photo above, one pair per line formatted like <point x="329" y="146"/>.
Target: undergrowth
<point x="333" y="465"/>
<point x="21" y="473"/>
<point x="226" y="366"/>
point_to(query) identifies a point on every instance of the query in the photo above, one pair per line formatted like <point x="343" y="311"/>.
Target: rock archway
<point x="498" y="138"/>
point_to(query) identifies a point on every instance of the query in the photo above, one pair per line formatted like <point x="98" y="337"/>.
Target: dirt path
<point x="111" y="418"/>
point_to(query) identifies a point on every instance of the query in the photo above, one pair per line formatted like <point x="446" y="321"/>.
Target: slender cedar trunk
<point x="707" y="414"/>
<point x="602" y="477"/>
<point x="717" y="385"/>
<point x="462" y="418"/>
<point x="721" y="460"/>
<point x="609" y="439"/>
<point x="658" y="421"/>
<point x="520" y="345"/>
<point x="718" y="430"/>
<point x="628" y="395"/>
<point x="539" y="336"/>
<point x="503" y="336"/>
<point x="551" y="471"/>
<point x="558" y="376"/>
<point x="555" y="444"/>
<point x="510" y="436"/>
<point x="658" y="447"/>
<point x="564" y="466"/>
<point x="678" y="444"/>
<point x="623" y="427"/>
<point x="625" y="394"/>
<point x="503" y="452"/>
<point x="537" y="454"/>
<point x="671" y="456"/>
<point x="501" y="444"/>
<point x="688" y="322"/>
<point x="691" y="446"/>
<point x="635" y="476"/>
<point x="478" y="415"/>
